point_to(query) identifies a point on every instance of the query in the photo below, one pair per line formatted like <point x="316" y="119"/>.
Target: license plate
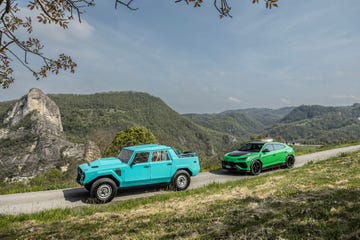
<point x="227" y="166"/>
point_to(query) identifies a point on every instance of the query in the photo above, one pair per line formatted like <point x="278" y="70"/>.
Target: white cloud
<point x="50" y="32"/>
<point x="286" y="101"/>
<point x="346" y="96"/>
<point x="234" y="100"/>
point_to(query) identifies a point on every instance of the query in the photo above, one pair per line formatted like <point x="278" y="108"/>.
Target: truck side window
<point x="141" y="157"/>
<point x="160" y="156"/>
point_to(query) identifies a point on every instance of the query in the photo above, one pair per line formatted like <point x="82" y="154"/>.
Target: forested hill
<point x="100" y="116"/>
<point x="319" y="124"/>
<point x="242" y="123"/>
<point x="266" y="116"/>
<point x="234" y="123"/>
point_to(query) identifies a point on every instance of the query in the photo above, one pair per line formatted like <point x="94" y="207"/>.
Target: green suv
<point x="253" y="157"/>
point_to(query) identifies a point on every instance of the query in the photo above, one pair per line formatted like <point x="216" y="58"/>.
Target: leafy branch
<point x="224" y="8"/>
<point x="58" y="12"/>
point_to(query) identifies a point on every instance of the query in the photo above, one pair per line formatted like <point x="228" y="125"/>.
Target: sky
<point x="304" y="52"/>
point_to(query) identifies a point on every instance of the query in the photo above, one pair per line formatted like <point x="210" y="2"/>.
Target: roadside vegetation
<point x="50" y="180"/>
<point x="317" y="201"/>
<point x="306" y="149"/>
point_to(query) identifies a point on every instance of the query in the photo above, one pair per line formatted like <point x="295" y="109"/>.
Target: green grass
<point x="306" y="149"/>
<point x="50" y="180"/>
<point x="317" y="201"/>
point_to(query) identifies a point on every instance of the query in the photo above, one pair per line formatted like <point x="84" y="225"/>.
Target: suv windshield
<point x="251" y="147"/>
<point x="125" y="155"/>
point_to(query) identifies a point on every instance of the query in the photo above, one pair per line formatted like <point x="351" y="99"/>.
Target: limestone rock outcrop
<point x="33" y="140"/>
<point x="44" y="112"/>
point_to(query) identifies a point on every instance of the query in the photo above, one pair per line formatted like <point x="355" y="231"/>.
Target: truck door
<point x="161" y="165"/>
<point x="139" y="170"/>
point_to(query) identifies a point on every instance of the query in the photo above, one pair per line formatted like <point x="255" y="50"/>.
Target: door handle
<point x="169" y="164"/>
<point x="146" y="166"/>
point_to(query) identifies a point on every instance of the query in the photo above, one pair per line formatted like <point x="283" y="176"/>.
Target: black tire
<point x="290" y="161"/>
<point x="103" y="190"/>
<point x="255" y="167"/>
<point x="181" y="180"/>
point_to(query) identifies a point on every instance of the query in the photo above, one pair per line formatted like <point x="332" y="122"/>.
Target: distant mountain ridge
<point x="319" y="124"/>
<point x="312" y="124"/>
<point x="242" y="123"/>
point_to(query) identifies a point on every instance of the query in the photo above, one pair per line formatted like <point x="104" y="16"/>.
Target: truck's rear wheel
<point x="181" y="180"/>
<point x="103" y="190"/>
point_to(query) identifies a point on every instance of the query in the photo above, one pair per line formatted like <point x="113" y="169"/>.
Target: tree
<point x="28" y="50"/>
<point x="128" y="137"/>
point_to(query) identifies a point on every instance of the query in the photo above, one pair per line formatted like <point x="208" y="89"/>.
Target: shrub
<point x="128" y="137"/>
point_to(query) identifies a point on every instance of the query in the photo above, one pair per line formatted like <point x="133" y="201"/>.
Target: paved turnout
<point x="65" y="198"/>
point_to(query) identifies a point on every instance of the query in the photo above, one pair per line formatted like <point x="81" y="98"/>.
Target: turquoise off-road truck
<point x="135" y="166"/>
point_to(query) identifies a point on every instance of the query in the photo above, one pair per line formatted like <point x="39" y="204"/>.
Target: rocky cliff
<point x="32" y="140"/>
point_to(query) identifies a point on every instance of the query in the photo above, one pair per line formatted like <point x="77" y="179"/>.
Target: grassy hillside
<point x="317" y="201"/>
<point x="319" y="124"/>
<point x="100" y="116"/>
<point x="233" y="123"/>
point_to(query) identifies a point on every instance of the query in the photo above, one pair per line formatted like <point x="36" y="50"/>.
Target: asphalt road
<point x="66" y="198"/>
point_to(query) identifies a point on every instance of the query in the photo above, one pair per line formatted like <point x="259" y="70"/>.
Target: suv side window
<point x="141" y="157"/>
<point x="160" y="156"/>
<point x="270" y="147"/>
<point x="278" y="146"/>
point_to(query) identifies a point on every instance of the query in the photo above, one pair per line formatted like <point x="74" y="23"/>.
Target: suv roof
<point x="147" y="147"/>
<point x="265" y="142"/>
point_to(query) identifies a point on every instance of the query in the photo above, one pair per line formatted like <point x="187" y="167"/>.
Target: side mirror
<point x="133" y="163"/>
<point x="266" y="150"/>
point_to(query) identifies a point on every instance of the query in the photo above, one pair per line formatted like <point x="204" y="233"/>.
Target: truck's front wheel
<point x="103" y="190"/>
<point x="181" y="180"/>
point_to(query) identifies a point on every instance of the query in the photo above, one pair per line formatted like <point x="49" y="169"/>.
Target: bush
<point x="128" y="137"/>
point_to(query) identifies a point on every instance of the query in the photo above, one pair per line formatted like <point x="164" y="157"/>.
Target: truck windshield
<point x="125" y="155"/>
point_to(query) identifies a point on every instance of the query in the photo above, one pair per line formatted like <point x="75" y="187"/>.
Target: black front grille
<point x="242" y="165"/>
<point x="80" y="175"/>
<point x="233" y="165"/>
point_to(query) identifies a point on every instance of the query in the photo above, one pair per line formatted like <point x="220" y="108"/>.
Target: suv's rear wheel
<point x="290" y="161"/>
<point x="103" y="190"/>
<point x="181" y="180"/>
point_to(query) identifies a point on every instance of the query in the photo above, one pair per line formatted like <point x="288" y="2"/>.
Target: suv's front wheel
<point x="103" y="190"/>
<point x="255" y="167"/>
